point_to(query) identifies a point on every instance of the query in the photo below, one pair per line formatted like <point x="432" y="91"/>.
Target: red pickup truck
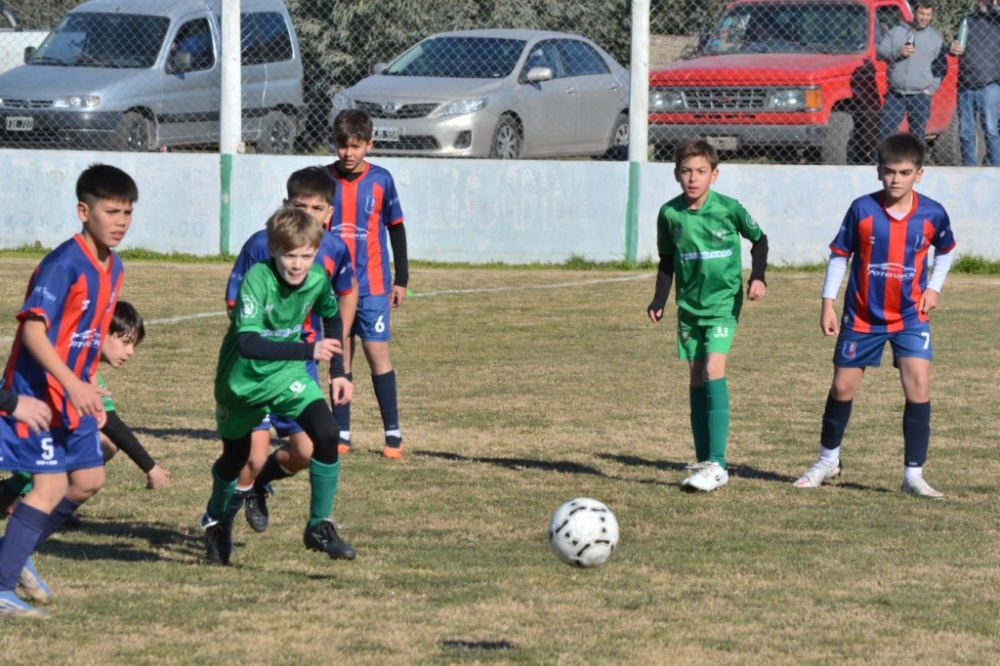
<point x="797" y="77"/>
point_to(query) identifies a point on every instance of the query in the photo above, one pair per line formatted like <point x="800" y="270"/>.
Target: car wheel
<point x="135" y="133"/>
<point x="946" y="149"/>
<point x="618" y="150"/>
<point x="277" y="134"/>
<point x="839" y="129"/>
<point x="507" y="140"/>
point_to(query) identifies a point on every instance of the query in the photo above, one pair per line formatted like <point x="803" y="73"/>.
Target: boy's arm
<point x="32" y="411"/>
<point x="836" y="268"/>
<point x="341" y="388"/>
<point x="664" y="278"/>
<point x="254" y="345"/>
<point x="401" y="263"/>
<point x="757" y="285"/>
<point x="84" y="396"/>
<point x="123" y="438"/>
<point x="942" y="264"/>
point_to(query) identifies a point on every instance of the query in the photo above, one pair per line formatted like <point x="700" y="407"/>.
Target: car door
<point x="189" y="110"/>
<point x="601" y="95"/>
<point x="550" y="110"/>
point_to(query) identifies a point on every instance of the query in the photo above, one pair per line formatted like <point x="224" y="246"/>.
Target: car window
<point x="95" y="39"/>
<point x="195" y="37"/>
<point x="887" y="17"/>
<point x="265" y="38"/>
<point x="459" y="57"/>
<point x="581" y="58"/>
<point x="545" y="54"/>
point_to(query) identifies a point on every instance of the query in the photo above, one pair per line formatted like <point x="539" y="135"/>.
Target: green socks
<point x="717" y="395"/>
<point x="222" y="497"/>
<point x="323" y="489"/>
<point x="699" y="421"/>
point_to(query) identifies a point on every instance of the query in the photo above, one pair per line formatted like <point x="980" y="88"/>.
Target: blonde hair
<point x="290" y="228"/>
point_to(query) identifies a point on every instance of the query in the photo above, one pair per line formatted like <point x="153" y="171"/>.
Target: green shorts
<point x="697" y="338"/>
<point x="234" y="417"/>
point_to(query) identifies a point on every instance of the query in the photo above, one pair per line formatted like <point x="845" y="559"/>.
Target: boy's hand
<point x="756" y="290"/>
<point x="157" y="477"/>
<point x="398" y="295"/>
<point x="928" y="301"/>
<point x="88" y="399"/>
<point x="829" y="322"/>
<point x="341" y="390"/>
<point x="326" y="349"/>
<point x="654" y="315"/>
<point x="33" y="412"/>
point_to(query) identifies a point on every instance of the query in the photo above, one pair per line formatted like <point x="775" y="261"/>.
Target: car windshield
<point x="790" y="28"/>
<point x="459" y="58"/>
<point x="114" y="41"/>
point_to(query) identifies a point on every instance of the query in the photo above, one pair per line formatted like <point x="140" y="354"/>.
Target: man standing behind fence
<point x="979" y="82"/>
<point x="914" y="53"/>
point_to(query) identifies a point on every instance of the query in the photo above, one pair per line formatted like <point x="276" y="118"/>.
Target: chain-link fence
<point x="786" y="81"/>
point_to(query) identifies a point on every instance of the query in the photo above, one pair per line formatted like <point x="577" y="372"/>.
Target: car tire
<point x="618" y="150"/>
<point x="135" y="133"/>
<point x="837" y="142"/>
<point x="507" y="140"/>
<point x="277" y="134"/>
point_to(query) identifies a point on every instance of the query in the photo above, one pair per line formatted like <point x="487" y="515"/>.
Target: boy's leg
<point x="30" y="524"/>
<point x="324" y="475"/>
<point x="699" y="421"/>
<point x="246" y="492"/>
<point x="836" y="415"/>
<point x="384" y="384"/>
<point x="342" y="415"/>
<point x="914" y="374"/>
<point x="218" y="520"/>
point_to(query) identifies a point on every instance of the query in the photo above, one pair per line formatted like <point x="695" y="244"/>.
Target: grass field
<point x="521" y="389"/>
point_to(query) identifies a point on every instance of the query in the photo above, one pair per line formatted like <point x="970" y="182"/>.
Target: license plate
<point x="723" y="142"/>
<point x="385" y="133"/>
<point x="20" y="123"/>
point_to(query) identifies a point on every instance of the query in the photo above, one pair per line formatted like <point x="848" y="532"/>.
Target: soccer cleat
<point x="255" y="508"/>
<point x="323" y="537"/>
<point x="393" y="448"/>
<point x="11" y="606"/>
<point x="344" y="446"/>
<point x="218" y="539"/>
<point x="817" y="475"/>
<point x="706" y="477"/>
<point x="920" y="488"/>
<point x="32" y="585"/>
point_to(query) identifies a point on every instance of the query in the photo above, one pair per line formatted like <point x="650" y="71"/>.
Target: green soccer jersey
<point x="705" y="243"/>
<point x="109" y="403"/>
<point x="268" y="306"/>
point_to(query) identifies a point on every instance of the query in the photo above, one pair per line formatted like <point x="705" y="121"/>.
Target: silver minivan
<point x="146" y="74"/>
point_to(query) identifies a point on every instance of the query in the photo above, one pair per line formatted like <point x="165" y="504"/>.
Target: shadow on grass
<point x="158" y="537"/>
<point x="178" y="432"/>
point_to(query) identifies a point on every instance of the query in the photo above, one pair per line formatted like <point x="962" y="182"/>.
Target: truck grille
<point x="724" y="99"/>
<point x="390" y="110"/>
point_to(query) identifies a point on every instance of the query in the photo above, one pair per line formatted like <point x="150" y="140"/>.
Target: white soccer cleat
<point x="706" y="477"/>
<point x="817" y="475"/>
<point x="920" y="488"/>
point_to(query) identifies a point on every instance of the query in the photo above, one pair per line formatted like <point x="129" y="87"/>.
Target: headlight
<point x="82" y="102"/>
<point x="342" y="101"/>
<point x="795" y="99"/>
<point x="459" y="107"/>
<point x="661" y="100"/>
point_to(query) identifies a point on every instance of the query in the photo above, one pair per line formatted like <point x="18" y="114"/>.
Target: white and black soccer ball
<point x="583" y="532"/>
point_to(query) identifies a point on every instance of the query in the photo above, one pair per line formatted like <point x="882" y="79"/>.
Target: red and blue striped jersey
<point x="75" y="296"/>
<point x="889" y="264"/>
<point x="363" y="210"/>
<point x="332" y="256"/>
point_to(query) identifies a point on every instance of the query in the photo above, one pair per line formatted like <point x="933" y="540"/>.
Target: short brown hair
<point x="902" y="147"/>
<point x="352" y="124"/>
<point x="290" y="228"/>
<point x="312" y="181"/>
<point x="696" y="148"/>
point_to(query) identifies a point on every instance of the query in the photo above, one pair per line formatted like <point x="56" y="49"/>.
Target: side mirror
<point x="29" y="53"/>
<point x="538" y="74"/>
<point x="179" y="62"/>
<point x="379" y="67"/>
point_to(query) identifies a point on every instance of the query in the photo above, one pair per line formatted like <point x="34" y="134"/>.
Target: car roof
<point x="508" y="33"/>
<point x="173" y="8"/>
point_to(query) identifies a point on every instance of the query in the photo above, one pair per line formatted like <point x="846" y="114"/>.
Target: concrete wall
<point x="478" y="210"/>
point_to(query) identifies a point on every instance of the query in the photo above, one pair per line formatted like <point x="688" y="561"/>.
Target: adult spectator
<point x="914" y="52"/>
<point x="979" y="83"/>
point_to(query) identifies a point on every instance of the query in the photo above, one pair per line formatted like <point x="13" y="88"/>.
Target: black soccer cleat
<point x="218" y="541"/>
<point x="323" y="537"/>
<point x="255" y="509"/>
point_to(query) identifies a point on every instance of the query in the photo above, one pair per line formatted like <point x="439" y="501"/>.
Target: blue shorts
<point x="864" y="350"/>
<point x="372" y="320"/>
<point x="53" y="451"/>
<point x="283" y="425"/>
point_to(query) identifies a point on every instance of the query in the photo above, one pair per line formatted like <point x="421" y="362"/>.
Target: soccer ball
<point x="583" y="532"/>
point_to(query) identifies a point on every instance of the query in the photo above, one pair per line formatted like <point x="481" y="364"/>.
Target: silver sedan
<point x="503" y="94"/>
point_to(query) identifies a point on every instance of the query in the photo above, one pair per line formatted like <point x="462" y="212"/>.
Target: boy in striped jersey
<point x="887" y="235"/>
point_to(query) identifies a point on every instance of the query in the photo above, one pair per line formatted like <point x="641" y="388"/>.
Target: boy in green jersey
<point x="698" y="238"/>
<point x="262" y="371"/>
